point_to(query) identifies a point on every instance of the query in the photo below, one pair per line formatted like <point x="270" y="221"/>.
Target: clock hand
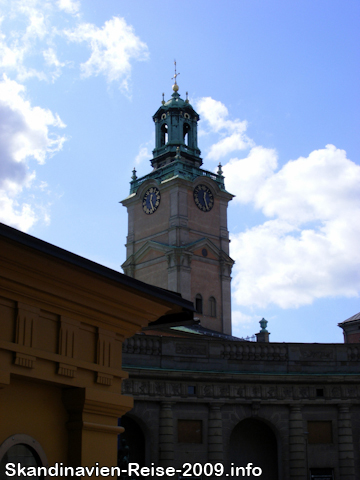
<point x="206" y="205"/>
<point x="152" y="206"/>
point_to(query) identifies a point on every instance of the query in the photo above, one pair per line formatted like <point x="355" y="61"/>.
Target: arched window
<point x="164" y="135"/>
<point x="186" y="131"/>
<point x="22" y="449"/>
<point x="212" y="307"/>
<point x="199" y="303"/>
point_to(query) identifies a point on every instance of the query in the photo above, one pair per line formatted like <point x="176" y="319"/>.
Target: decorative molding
<point x="104" y="379"/>
<point x="68" y="335"/>
<point x="190" y="349"/>
<point x="253" y="351"/>
<point x="142" y="344"/>
<point x="310" y="354"/>
<point x="67" y="370"/>
<point x="231" y="392"/>
<point x="23" y="360"/>
<point x="105" y="348"/>
<point x="26" y="322"/>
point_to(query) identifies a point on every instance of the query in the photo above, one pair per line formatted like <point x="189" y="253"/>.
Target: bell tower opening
<point x="164" y="135"/>
<point x="186" y="133"/>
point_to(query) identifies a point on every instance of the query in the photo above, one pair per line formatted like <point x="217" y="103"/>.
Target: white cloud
<point x="310" y="248"/>
<point x="32" y="32"/>
<point x="244" y="177"/>
<point x="69" y="6"/>
<point x="112" y="49"/>
<point x="24" y="135"/>
<point x="232" y="132"/>
<point x="144" y="154"/>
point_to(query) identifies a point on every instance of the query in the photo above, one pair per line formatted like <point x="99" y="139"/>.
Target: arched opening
<point x="186" y="132"/>
<point x="131" y="443"/>
<point x="199" y="303"/>
<point x="24" y="450"/>
<point x="252" y="441"/>
<point x="164" y="135"/>
<point x="212" y="307"/>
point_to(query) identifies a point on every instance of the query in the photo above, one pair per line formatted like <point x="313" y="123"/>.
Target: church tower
<point x="177" y="219"/>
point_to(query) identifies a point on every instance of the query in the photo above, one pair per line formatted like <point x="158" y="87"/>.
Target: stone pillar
<point x="298" y="467"/>
<point x="166" y="435"/>
<point x="215" y="440"/>
<point x="346" y="444"/>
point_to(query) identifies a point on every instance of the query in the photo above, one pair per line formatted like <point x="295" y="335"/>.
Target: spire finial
<point x="187" y="97"/>
<point x="163" y="100"/>
<point x="175" y="86"/>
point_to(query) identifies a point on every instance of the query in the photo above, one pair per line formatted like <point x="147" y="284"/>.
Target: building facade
<point x="63" y="320"/>
<point x="201" y="395"/>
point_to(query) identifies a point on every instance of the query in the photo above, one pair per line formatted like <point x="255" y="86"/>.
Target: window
<point x="198" y="303"/>
<point x="164" y="135"/>
<point x="320" y="432"/>
<point x="189" y="431"/>
<point x="21" y="449"/>
<point x="186" y="131"/>
<point x="212" y="307"/>
<point x="191" y="390"/>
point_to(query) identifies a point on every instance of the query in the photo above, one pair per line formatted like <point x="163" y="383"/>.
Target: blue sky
<point x="276" y="86"/>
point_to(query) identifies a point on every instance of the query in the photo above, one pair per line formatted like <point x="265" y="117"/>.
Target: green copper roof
<point x="178" y="169"/>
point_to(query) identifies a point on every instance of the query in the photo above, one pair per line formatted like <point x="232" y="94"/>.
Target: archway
<point x="134" y="439"/>
<point x="252" y="441"/>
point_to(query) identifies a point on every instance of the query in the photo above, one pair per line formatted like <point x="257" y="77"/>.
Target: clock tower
<point x="177" y="219"/>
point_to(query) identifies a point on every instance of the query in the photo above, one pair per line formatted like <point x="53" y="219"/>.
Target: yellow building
<point x="63" y="320"/>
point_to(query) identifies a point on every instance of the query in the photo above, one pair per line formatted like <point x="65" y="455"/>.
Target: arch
<point x="132" y="441"/>
<point x="212" y="307"/>
<point x="164" y="135"/>
<point x="198" y="303"/>
<point x="253" y="441"/>
<point x="186" y="133"/>
<point x="23" y="449"/>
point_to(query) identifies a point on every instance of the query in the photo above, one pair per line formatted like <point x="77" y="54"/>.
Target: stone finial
<point x="263" y="335"/>
<point x="219" y="172"/>
<point x="263" y="324"/>
<point x="134" y="177"/>
<point x="177" y="156"/>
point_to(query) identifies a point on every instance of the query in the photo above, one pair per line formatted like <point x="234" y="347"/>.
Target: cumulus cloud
<point x="232" y="132"/>
<point x="309" y="247"/>
<point x="144" y="154"/>
<point x="32" y="32"/>
<point x="112" y="48"/>
<point x="69" y="6"/>
<point x="246" y="176"/>
<point x="26" y="132"/>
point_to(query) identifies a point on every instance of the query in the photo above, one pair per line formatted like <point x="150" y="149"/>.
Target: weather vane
<point x="176" y="74"/>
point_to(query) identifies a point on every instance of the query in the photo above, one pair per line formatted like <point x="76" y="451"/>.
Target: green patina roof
<point x="177" y="169"/>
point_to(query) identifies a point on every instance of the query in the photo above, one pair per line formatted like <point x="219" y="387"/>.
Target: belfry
<point x="177" y="219"/>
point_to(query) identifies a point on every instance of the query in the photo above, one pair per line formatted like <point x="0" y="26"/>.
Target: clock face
<point x="151" y="200"/>
<point x="204" y="198"/>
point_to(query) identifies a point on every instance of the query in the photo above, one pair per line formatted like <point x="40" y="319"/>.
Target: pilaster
<point x="297" y="444"/>
<point x="215" y="438"/>
<point x="166" y="435"/>
<point x="346" y="444"/>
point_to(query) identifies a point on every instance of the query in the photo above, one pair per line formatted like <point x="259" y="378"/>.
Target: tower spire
<point x="175" y="86"/>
